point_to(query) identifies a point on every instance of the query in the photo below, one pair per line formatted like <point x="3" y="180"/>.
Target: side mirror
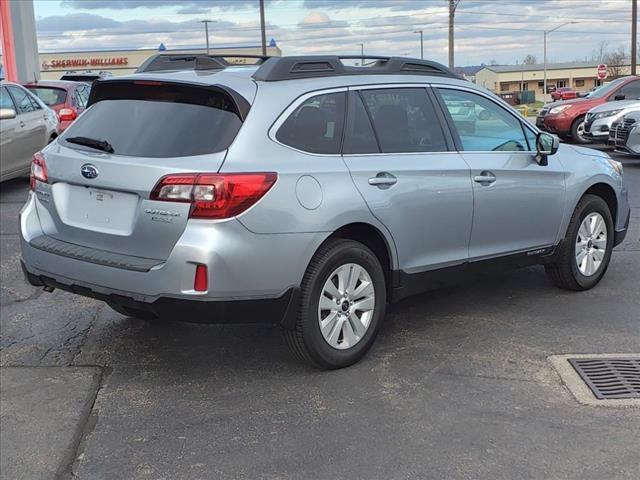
<point x="546" y="144"/>
<point x="620" y="96"/>
<point x="7" y="113"/>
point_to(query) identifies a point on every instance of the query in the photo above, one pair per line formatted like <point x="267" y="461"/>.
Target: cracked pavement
<point x="458" y="385"/>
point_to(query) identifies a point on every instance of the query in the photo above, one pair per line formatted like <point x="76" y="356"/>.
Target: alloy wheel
<point x="346" y="306"/>
<point x="591" y="244"/>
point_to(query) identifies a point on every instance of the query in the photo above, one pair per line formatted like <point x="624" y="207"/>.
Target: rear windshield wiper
<point x="92" y="142"/>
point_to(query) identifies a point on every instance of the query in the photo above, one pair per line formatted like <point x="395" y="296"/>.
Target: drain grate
<point x="610" y="378"/>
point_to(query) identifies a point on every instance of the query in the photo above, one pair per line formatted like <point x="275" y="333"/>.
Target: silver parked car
<point x="599" y="120"/>
<point x="625" y="134"/>
<point x="308" y="192"/>
<point x="26" y="126"/>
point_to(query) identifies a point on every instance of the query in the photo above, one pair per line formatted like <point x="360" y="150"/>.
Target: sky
<point x="504" y="31"/>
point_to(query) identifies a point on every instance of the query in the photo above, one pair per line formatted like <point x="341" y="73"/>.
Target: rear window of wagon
<point x="157" y="119"/>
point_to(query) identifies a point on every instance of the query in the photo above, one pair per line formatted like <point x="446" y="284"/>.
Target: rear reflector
<point x="38" y="170"/>
<point x="214" y="195"/>
<point x="200" y="280"/>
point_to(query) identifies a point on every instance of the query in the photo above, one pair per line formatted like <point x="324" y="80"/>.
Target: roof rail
<point x="311" y="66"/>
<point x="193" y="61"/>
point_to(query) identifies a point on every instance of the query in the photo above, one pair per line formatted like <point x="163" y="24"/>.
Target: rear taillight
<point x="38" y="170"/>
<point x="67" y="114"/>
<point x="214" y="195"/>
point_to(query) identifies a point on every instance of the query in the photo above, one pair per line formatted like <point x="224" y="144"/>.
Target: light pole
<point x="206" y="31"/>
<point x="544" y="93"/>
<point x="361" y="50"/>
<point x="421" y="44"/>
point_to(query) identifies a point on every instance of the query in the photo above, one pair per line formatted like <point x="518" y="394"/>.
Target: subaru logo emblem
<point x="89" y="171"/>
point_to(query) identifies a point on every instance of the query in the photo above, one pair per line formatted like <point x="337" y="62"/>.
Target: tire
<point x="132" y="312"/>
<point x="306" y="339"/>
<point x="576" y="127"/>
<point x="565" y="271"/>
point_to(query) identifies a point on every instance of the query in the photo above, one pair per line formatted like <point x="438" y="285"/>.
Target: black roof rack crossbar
<point x="289" y="68"/>
<point x="193" y="61"/>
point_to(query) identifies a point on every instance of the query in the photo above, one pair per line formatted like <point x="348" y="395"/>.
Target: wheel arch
<point x="376" y="241"/>
<point x="608" y="194"/>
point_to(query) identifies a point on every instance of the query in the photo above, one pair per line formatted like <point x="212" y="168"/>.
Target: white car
<point x="625" y="134"/>
<point x="599" y="120"/>
<point x="27" y="125"/>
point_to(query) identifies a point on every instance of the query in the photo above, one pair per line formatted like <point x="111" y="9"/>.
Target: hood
<point x="589" y="151"/>
<point x="619" y="105"/>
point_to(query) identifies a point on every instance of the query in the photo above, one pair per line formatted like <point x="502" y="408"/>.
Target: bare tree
<point x="599" y="54"/>
<point x="530" y="60"/>
<point x="616" y="61"/>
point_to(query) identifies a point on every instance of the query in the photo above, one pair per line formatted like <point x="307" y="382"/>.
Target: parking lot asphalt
<point x="457" y="385"/>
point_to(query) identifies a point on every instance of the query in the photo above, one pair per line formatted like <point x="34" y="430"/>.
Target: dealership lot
<point x="458" y="385"/>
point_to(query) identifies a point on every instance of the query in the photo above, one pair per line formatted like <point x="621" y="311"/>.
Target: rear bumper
<point x="281" y="309"/>
<point x="242" y="266"/>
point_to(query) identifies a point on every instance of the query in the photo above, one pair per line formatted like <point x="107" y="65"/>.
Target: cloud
<point x="73" y="21"/>
<point x="316" y="20"/>
<point x="186" y="6"/>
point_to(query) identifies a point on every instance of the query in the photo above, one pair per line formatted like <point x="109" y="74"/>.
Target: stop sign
<point x="602" y="71"/>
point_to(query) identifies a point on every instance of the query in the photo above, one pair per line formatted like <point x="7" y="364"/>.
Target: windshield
<point x="50" y="95"/>
<point x="607" y="89"/>
<point x="159" y="121"/>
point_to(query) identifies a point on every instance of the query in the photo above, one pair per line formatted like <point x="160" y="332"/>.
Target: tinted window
<point x="50" y="96"/>
<point x="316" y="125"/>
<point x="631" y="90"/>
<point x="5" y="99"/>
<point x="166" y="121"/>
<point x="23" y="100"/>
<point x="359" y="136"/>
<point x="404" y="120"/>
<point x="482" y="125"/>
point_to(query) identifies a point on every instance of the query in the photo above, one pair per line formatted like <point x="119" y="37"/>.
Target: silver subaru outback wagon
<point x="307" y="192"/>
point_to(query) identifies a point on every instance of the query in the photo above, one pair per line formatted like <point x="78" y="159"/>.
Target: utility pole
<point x="206" y="31"/>
<point x="362" y="53"/>
<point x="453" y="4"/>
<point x="262" y="29"/>
<point x="634" y="35"/>
<point x="421" y="44"/>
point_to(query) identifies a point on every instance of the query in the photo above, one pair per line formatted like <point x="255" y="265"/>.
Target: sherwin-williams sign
<point x="85" y="62"/>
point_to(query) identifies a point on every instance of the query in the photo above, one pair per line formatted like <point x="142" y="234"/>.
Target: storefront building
<point x="123" y="62"/>
<point x="581" y="76"/>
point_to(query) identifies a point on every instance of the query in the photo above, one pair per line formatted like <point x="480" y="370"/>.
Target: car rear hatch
<point x="102" y="170"/>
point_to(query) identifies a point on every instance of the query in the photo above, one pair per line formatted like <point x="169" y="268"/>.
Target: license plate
<point x="96" y="209"/>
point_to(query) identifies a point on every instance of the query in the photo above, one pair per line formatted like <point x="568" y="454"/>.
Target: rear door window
<point x="154" y="119"/>
<point x="50" y="96"/>
<point x="404" y="120"/>
<point x="316" y="125"/>
<point x="23" y="100"/>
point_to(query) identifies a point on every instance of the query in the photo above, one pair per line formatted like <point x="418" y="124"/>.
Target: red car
<point x="564" y="93"/>
<point x="68" y="99"/>
<point x="566" y="118"/>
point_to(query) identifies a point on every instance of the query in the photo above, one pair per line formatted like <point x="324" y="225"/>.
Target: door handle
<point x="485" y="178"/>
<point x="383" y="180"/>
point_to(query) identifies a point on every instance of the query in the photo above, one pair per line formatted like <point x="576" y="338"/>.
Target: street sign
<point x="602" y="71"/>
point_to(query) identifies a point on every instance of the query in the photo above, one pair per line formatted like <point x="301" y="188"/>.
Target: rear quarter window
<point x="159" y="120"/>
<point x="316" y="125"/>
